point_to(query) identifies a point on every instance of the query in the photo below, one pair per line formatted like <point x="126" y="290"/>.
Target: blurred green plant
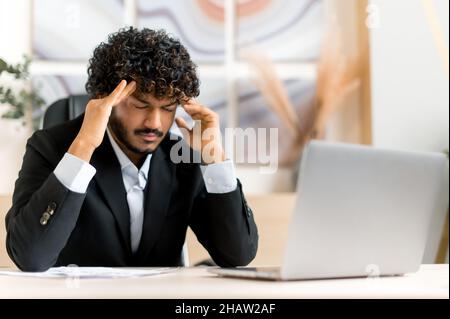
<point x="18" y="101"/>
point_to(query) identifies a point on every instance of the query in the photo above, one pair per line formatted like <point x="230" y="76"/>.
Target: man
<point x="103" y="190"/>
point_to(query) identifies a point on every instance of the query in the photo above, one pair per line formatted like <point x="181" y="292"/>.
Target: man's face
<point x="141" y="121"/>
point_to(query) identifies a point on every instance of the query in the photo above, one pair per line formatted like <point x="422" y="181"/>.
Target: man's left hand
<point x="206" y="138"/>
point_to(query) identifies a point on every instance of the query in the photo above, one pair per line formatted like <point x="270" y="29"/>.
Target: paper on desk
<point x="90" y="272"/>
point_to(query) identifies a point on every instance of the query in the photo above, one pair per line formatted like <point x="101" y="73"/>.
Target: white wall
<point x="15" y="41"/>
<point x="409" y="85"/>
<point x="410" y="88"/>
<point x="14" y="29"/>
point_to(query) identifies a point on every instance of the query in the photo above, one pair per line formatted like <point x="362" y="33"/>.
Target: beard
<point x="120" y="132"/>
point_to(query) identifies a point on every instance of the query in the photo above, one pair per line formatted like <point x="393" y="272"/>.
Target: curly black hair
<point x="158" y="63"/>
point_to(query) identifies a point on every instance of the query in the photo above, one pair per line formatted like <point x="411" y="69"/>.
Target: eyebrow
<point x="146" y="103"/>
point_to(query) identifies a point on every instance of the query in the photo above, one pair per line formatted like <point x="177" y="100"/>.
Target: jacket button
<point x="43" y="221"/>
<point x="51" y="208"/>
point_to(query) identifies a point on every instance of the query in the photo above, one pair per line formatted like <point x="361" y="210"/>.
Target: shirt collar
<point x="125" y="161"/>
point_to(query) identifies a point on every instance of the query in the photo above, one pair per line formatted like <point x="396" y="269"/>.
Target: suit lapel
<point x="158" y="193"/>
<point x="110" y="181"/>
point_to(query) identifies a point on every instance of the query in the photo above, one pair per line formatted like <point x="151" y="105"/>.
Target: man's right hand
<point x="96" y="119"/>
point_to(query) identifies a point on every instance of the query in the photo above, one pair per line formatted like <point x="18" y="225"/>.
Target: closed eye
<point x="141" y="107"/>
<point x="170" y="108"/>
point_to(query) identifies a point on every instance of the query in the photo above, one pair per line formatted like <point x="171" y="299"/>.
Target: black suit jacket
<point x="93" y="229"/>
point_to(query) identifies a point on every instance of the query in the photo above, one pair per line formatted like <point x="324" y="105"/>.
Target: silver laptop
<point x="360" y="212"/>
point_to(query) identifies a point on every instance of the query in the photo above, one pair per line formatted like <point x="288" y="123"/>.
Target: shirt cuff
<point x="74" y="173"/>
<point x="219" y="178"/>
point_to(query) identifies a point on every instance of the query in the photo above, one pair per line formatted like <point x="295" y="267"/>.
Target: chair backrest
<point x="65" y="110"/>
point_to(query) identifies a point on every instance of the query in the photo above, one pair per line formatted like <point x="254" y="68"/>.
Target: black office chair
<point x="65" y="110"/>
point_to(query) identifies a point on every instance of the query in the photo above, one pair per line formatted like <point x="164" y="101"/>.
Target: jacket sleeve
<point x="44" y="212"/>
<point x="224" y="225"/>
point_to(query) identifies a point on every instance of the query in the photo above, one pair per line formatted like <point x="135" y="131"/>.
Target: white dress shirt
<point x="134" y="180"/>
<point x="75" y="174"/>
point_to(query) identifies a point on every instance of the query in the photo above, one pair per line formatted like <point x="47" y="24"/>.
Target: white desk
<point x="432" y="281"/>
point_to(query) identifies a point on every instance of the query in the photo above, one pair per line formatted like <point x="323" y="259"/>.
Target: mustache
<point x="149" y="131"/>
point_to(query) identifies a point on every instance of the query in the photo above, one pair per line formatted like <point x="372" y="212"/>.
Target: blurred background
<point x="370" y="72"/>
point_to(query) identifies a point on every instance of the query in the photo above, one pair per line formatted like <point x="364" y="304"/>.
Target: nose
<point x="153" y="119"/>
